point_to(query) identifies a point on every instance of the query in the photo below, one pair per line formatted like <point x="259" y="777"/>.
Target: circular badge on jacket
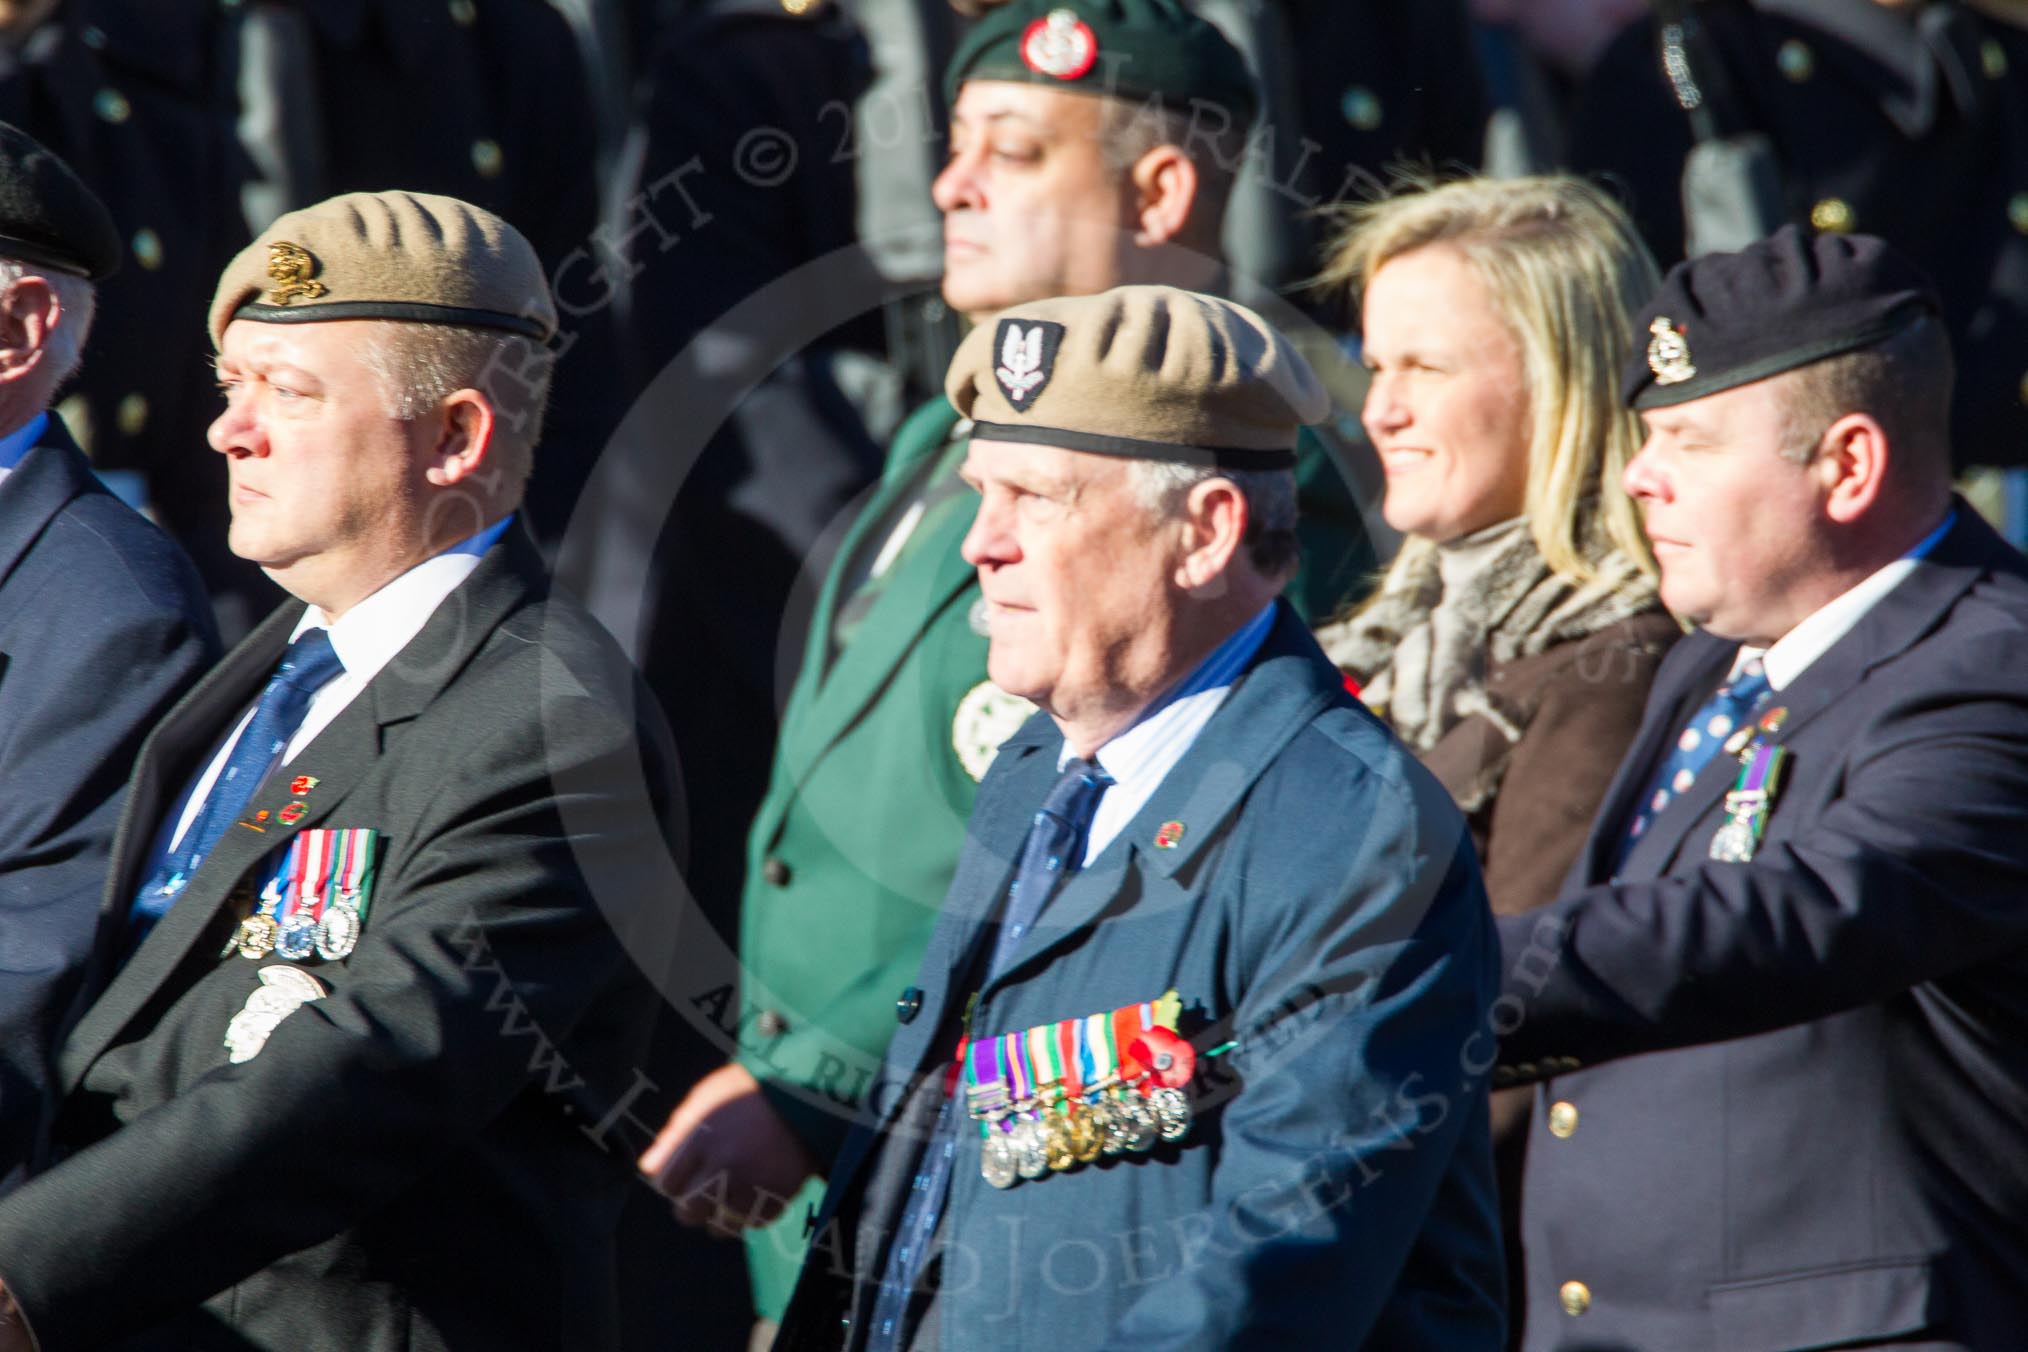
<point x="986" y="717"/>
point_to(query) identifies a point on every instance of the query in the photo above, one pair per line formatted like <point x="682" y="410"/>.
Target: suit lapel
<point x="1895" y="622"/>
<point x="45" y="480"/>
<point x="340" y="758"/>
<point x="1694" y="670"/>
<point x="1285" y="686"/>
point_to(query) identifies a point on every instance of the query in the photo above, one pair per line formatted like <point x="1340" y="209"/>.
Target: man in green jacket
<point x="1092" y="145"/>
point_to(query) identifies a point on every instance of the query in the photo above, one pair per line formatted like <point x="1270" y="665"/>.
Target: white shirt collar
<point x="1791" y="654"/>
<point x="368" y="636"/>
<point x="1140" y="758"/>
<point x="21" y="441"/>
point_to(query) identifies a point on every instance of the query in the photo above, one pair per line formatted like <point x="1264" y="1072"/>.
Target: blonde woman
<point x="1512" y="641"/>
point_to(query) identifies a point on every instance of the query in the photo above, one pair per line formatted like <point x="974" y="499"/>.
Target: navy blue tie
<point x="1729" y="706"/>
<point x="1053" y="850"/>
<point x="306" y="666"/>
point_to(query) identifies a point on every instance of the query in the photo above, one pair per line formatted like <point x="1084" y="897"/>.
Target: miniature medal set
<point x="316" y="903"/>
<point x="1056" y="1096"/>
<point x="1762" y="765"/>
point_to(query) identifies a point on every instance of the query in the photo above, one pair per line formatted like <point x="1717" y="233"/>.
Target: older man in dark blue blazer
<point x="1798" y="937"/>
<point x="103" y="624"/>
<point x="1234" y="868"/>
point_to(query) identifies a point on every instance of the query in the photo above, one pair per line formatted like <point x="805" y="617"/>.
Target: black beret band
<point x="1655" y="395"/>
<point x="1133" y="448"/>
<point x="413" y="312"/>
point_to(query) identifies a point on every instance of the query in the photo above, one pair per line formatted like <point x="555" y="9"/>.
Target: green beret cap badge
<point x="1059" y="44"/>
<point x="1669" y="352"/>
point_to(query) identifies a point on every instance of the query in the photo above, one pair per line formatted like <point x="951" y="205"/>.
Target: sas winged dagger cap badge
<point x="1027" y="358"/>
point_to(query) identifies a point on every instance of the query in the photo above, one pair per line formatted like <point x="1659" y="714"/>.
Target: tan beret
<point x="388" y="255"/>
<point x="1151" y="372"/>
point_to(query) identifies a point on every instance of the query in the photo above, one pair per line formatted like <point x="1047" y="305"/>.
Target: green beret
<point x="1145" y="372"/>
<point x="388" y="255"/>
<point x="48" y="217"/>
<point x="1131" y="49"/>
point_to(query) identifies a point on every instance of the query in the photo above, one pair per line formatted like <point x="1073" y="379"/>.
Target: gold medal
<point x="1057" y="1150"/>
<point x="256" y="937"/>
<point x="1087" y="1140"/>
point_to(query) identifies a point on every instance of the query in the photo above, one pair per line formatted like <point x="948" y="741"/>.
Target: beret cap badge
<point x="289" y="268"/>
<point x="1059" y="44"/>
<point x="1669" y="352"/>
<point x="1027" y="358"/>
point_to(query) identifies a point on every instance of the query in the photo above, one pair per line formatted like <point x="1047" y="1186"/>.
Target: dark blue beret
<point x="1728" y="319"/>
<point x="48" y="217"/>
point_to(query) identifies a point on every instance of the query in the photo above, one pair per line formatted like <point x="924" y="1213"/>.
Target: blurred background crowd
<point x="733" y="200"/>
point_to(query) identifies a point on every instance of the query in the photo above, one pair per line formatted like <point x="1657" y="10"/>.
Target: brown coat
<point x="1578" y="705"/>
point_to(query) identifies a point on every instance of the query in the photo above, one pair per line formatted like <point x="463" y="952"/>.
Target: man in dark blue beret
<point x="103" y="623"/>
<point x="1776" y="1016"/>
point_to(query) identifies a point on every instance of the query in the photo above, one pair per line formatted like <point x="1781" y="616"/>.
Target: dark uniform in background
<point x="1911" y="125"/>
<point x="157" y="104"/>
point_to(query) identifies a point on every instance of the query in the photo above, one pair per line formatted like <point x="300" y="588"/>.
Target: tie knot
<point x="1749" y="685"/>
<point x="310" y="661"/>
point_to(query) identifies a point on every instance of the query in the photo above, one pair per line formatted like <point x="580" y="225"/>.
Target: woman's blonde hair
<point x="1567" y="274"/>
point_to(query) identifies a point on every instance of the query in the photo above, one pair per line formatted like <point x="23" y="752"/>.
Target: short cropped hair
<point x="1270" y="506"/>
<point x="418" y="366"/>
<point x="1903" y="383"/>
<point x="77" y="302"/>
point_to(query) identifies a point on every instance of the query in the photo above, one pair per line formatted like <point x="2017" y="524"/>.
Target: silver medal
<point x="337" y="933"/>
<point x="298" y="938"/>
<point x="282" y="991"/>
<point x="1172" y="1113"/>
<point x="996" y="1160"/>
<point x="1031" y="1155"/>
<point x="1138" y="1128"/>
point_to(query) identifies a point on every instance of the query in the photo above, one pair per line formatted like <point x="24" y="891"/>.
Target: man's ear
<point x="1853" y="461"/>
<point x="29" y="313"/>
<point x="1215" y="518"/>
<point x="464" y="438"/>
<point x="1165" y="185"/>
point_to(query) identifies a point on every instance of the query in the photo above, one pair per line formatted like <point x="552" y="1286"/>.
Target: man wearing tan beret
<point x="1183" y="1064"/>
<point x="360" y="1005"/>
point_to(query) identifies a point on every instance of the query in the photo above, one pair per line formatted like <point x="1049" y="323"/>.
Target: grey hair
<point x="418" y="366"/>
<point x="1270" y="505"/>
<point x="1128" y="130"/>
<point x="77" y="301"/>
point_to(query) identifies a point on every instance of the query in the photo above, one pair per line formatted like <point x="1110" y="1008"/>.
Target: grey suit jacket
<point x="1322" y="906"/>
<point x="416" y="1160"/>
<point x="1811" y="1129"/>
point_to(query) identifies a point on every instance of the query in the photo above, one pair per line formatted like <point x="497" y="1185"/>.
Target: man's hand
<point x="724" y="1157"/>
<point x="14" y="1335"/>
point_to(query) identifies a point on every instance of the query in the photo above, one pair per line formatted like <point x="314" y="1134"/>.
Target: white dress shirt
<point x="366" y="638"/>
<point x="1142" y="756"/>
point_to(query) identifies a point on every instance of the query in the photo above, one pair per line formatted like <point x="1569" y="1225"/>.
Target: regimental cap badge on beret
<point x="1669" y="352"/>
<point x="1059" y="44"/>
<point x="1027" y="358"/>
<point x="290" y="267"/>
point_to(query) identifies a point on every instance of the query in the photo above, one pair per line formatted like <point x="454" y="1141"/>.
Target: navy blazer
<point x="1819" y="1133"/>
<point x="1322" y="906"/>
<point x="103" y="624"/>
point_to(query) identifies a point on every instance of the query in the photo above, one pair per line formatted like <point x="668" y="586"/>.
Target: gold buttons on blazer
<point x="1575" y="1298"/>
<point x="112" y="106"/>
<point x="775" y="871"/>
<point x="487" y="157"/>
<point x="770" y="1023"/>
<point x="1993" y="59"/>
<point x="1562" y="1120"/>
<point x="147" y="247"/>
<point x="1833" y="216"/>
<point x="132" y="414"/>
<point x="1361" y="107"/>
<point x="1796" y="60"/>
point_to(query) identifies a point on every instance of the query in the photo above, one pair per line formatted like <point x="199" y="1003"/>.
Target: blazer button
<point x="1563" y="1120"/>
<point x="1576" y="1298"/>
<point x="770" y="1023"/>
<point x="776" y="871"/>
<point x="909" y="1005"/>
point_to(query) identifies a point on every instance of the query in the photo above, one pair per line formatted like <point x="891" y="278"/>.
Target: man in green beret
<point x="1215" y="939"/>
<point x="359" y="998"/>
<point x="1092" y="144"/>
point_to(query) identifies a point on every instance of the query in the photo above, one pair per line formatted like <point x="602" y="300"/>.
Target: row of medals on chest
<point x="300" y="934"/>
<point x="1054" y="1131"/>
